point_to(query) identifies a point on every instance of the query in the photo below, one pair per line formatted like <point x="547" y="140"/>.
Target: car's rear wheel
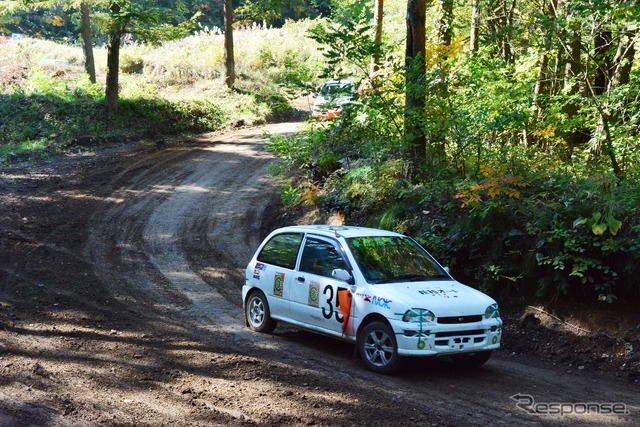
<point x="472" y="359"/>
<point x="378" y="348"/>
<point x="258" y="314"/>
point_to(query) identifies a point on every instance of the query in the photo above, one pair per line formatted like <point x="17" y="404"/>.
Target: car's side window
<point x="281" y="250"/>
<point x="321" y="258"/>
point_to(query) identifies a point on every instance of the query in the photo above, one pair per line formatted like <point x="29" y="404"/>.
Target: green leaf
<point x="614" y="225"/>
<point x="598" y="228"/>
<point x="580" y="221"/>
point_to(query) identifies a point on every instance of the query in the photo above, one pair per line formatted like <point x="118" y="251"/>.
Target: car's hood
<point x="331" y="101"/>
<point x="443" y="298"/>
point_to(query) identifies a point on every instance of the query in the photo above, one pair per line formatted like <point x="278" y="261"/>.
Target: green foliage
<point x="278" y="11"/>
<point x="170" y="117"/>
<point x="48" y="111"/>
<point x="147" y="20"/>
<point x="346" y="42"/>
<point x="508" y="197"/>
<point x="131" y="64"/>
<point x="290" y="195"/>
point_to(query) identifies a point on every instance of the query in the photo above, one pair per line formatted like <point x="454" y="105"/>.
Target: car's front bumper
<point x="329" y="114"/>
<point x="444" y="340"/>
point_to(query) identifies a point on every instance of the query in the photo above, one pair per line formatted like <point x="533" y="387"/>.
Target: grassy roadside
<point x="47" y="103"/>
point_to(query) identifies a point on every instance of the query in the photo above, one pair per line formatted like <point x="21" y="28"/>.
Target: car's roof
<point x="345" y="231"/>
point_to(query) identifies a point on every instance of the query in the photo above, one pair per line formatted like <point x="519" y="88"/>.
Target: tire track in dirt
<point x="173" y="203"/>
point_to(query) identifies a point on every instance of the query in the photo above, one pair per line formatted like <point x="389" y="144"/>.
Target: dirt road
<point x="120" y="278"/>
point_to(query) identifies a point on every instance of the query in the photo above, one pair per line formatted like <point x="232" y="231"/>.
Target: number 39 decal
<point x="333" y="305"/>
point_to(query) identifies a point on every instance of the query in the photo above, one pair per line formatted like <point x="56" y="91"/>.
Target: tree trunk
<point x="229" y="60"/>
<point x="573" y="67"/>
<point x="623" y="62"/>
<point x="542" y="87"/>
<point x="445" y="30"/>
<point x="87" y="43"/>
<point x="602" y="57"/>
<point x="539" y="91"/>
<point x="624" y="58"/>
<point x="475" y="25"/>
<point x="415" y="85"/>
<point x="573" y="85"/>
<point x="500" y="22"/>
<point x="113" y="69"/>
<point x="508" y="24"/>
<point x="377" y="38"/>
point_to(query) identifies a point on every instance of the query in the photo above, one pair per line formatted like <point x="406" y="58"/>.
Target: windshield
<point x="337" y="89"/>
<point x="393" y="259"/>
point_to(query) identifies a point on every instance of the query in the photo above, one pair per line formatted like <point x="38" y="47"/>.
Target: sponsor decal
<point x="381" y="302"/>
<point x="278" y="284"/>
<point x="378" y="301"/>
<point x="440" y="292"/>
<point x="314" y="294"/>
<point x="257" y="269"/>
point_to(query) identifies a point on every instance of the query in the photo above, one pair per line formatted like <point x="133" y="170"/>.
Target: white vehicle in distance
<point x="378" y="289"/>
<point x="332" y="98"/>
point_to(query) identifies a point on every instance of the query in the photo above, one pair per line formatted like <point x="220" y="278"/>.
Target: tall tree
<point x="229" y="59"/>
<point x="143" y="19"/>
<point x="624" y="57"/>
<point x="415" y="84"/>
<point x="622" y="64"/>
<point x="602" y="57"/>
<point x="115" y="32"/>
<point x="474" y="34"/>
<point x="378" y="17"/>
<point x="542" y="86"/>
<point x="500" y="23"/>
<point x="445" y="24"/>
<point x="87" y="40"/>
<point x="574" y="84"/>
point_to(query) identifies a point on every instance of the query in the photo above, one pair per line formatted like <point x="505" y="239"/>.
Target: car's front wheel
<point x="378" y="348"/>
<point x="472" y="359"/>
<point x="258" y="314"/>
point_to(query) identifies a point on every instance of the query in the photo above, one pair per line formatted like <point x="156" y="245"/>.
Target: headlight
<point x="492" y="312"/>
<point x="418" y="315"/>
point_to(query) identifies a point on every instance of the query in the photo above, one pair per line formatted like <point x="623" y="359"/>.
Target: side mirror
<point x="447" y="270"/>
<point x="342" y="275"/>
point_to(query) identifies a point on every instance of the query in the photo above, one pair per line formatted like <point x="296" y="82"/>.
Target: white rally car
<point x="378" y="289"/>
<point x="332" y="98"/>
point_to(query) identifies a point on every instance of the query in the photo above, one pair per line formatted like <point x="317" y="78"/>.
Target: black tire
<point x="472" y="359"/>
<point x="378" y="348"/>
<point x="258" y="314"/>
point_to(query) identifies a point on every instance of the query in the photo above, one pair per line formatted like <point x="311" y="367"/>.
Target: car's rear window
<point x="281" y="250"/>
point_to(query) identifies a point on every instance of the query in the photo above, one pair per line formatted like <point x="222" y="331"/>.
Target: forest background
<point x="508" y="146"/>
